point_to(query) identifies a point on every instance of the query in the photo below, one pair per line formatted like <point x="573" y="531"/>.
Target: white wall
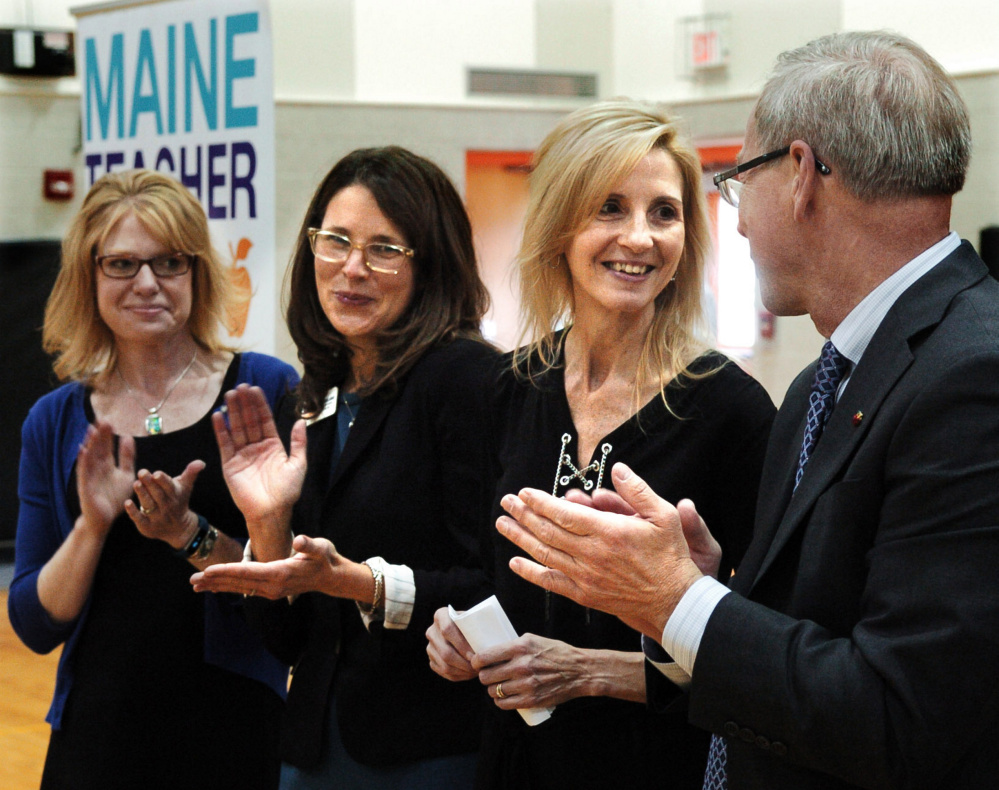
<point x="417" y="52"/>
<point x="40" y="13"/>
<point x="314" y="49"/>
<point x="405" y="51"/>
<point x="961" y="34"/>
<point x="365" y="72"/>
<point x="39" y="130"/>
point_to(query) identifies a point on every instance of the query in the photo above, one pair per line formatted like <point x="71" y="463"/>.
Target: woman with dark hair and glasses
<point x="156" y="687"/>
<point x="393" y="469"/>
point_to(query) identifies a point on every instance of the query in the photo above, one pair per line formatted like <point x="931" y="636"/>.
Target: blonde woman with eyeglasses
<point x="122" y="496"/>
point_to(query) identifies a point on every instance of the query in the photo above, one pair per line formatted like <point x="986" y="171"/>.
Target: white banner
<point x="186" y="87"/>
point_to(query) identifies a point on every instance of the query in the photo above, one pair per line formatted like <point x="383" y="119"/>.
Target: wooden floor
<point x="26" y="683"/>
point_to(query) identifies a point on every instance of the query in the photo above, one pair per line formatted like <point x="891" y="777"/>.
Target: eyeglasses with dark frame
<point x="379" y="256"/>
<point x="729" y="186"/>
<point x="125" y="267"/>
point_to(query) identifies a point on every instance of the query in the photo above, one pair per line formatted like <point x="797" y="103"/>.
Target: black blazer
<point x="862" y="648"/>
<point x="413" y="485"/>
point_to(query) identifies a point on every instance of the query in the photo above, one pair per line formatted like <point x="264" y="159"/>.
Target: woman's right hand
<point x="102" y="483"/>
<point x="263" y="479"/>
<point x="450" y="654"/>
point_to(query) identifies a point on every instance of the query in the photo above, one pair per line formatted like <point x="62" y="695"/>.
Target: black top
<point x="413" y="485"/>
<point x="708" y="446"/>
<point x="146" y="710"/>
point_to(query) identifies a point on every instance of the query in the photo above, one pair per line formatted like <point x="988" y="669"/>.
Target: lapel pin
<point x="858" y="418"/>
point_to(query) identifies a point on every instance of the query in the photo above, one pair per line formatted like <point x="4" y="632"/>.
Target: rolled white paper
<point x="486" y="625"/>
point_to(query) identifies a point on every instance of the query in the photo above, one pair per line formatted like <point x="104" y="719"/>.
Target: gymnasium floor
<point x="26" y="683"/>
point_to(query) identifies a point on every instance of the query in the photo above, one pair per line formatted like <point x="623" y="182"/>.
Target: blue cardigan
<point x="50" y="441"/>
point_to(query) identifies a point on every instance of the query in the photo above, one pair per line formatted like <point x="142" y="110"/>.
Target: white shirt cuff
<point x="685" y="627"/>
<point x="400" y="593"/>
<point x="662" y="661"/>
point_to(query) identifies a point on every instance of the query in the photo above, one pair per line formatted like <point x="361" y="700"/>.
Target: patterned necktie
<point x="828" y="375"/>
<point x="715" y="777"/>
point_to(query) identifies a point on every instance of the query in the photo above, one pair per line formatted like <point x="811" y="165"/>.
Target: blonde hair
<point x="577" y="165"/>
<point x="73" y="331"/>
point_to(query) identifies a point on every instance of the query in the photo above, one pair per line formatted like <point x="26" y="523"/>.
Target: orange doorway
<point x="496" y="199"/>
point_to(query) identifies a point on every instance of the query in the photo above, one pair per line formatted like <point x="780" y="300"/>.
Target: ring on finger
<point x="146" y="510"/>
<point x="499" y="691"/>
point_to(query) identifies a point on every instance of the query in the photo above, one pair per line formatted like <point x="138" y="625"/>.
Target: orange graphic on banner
<point x="242" y="289"/>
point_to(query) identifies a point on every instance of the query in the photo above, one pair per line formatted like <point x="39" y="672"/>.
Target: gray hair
<point x="876" y="108"/>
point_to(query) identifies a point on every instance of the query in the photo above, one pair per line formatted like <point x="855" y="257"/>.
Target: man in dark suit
<point x="858" y="643"/>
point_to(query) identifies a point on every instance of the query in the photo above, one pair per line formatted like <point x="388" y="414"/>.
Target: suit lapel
<point x="888" y="356"/>
<point x="777" y="480"/>
<point x="880" y="368"/>
<point x="318" y="451"/>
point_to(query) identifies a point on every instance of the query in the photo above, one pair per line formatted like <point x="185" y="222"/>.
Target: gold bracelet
<point x="379" y="597"/>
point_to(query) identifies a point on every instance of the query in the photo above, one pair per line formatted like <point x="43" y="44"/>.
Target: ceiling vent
<point x="513" y="82"/>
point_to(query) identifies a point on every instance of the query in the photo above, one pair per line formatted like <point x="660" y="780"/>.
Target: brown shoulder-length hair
<point x="83" y="345"/>
<point x="576" y="166"/>
<point x="449" y="298"/>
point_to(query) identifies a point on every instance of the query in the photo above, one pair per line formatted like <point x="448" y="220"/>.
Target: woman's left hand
<point x="534" y="672"/>
<point x="163" y="512"/>
<point x="316" y="566"/>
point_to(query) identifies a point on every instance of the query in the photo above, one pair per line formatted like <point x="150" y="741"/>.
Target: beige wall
<point x="330" y="54"/>
<point x="39" y="129"/>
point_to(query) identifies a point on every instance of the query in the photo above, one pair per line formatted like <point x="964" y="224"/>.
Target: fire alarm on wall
<point x="58" y="185"/>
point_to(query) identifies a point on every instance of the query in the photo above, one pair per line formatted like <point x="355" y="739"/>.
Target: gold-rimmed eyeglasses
<point x="379" y="256"/>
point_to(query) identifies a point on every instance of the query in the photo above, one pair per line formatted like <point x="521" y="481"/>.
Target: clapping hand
<point x="102" y="482"/>
<point x="636" y="567"/>
<point x="316" y="566"/>
<point x="162" y="512"/>
<point x="264" y="480"/>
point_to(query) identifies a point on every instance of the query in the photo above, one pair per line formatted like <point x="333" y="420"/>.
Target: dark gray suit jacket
<point x="862" y="646"/>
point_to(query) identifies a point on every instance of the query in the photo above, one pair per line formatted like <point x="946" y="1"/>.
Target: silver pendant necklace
<point x="564" y="459"/>
<point x="154" y="422"/>
<point x="350" y="412"/>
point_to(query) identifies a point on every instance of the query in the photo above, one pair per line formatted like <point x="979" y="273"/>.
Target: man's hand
<point x="636" y="567"/>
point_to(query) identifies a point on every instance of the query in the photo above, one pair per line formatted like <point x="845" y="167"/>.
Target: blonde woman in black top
<point x="614" y="250"/>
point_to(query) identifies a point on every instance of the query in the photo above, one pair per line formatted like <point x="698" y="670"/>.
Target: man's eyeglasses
<point x="729" y="186"/>
<point x="378" y="256"/>
<point x="125" y="267"/>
